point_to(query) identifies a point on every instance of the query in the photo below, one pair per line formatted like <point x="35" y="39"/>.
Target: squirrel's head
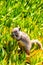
<point x="15" y="32"/>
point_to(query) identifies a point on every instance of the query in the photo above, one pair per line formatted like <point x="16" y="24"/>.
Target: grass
<point x="27" y="14"/>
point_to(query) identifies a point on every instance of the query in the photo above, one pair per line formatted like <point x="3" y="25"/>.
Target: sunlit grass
<point x="27" y="14"/>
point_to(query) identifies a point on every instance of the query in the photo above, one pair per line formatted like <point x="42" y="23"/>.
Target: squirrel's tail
<point x="37" y="42"/>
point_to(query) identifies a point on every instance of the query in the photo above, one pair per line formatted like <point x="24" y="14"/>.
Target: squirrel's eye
<point x="15" y="31"/>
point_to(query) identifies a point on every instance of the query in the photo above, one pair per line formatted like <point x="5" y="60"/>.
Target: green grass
<point x="27" y="14"/>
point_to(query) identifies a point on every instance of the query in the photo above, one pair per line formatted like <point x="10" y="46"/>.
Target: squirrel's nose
<point x="12" y="34"/>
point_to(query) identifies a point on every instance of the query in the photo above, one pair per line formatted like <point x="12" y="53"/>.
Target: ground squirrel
<point x="23" y="39"/>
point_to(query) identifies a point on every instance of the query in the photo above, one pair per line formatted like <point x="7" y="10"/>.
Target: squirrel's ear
<point x="19" y="28"/>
